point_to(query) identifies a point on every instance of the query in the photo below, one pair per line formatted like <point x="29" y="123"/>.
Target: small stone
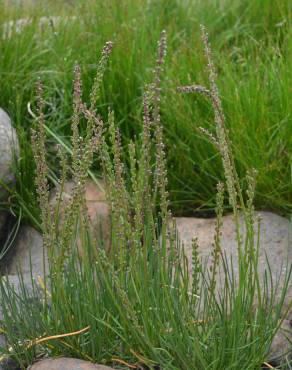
<point x="97" y="207"/>
<point x="8" y="363"/>
<point x="64" y="363"/>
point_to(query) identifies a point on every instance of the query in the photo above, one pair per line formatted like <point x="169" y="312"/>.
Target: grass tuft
<point x="136" y="303"/>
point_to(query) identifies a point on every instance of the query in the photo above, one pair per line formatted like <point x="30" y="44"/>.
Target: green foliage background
<point x="252" y="49"/>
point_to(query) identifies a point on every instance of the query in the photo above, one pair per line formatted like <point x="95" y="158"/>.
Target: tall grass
<point x="136" y="304"/>
<point x="253" y="39"/>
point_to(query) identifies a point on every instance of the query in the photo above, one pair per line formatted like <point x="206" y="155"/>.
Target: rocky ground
<point x="275" y="243"/>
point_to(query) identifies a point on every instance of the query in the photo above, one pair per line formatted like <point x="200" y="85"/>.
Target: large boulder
<point x="275" y="245"/>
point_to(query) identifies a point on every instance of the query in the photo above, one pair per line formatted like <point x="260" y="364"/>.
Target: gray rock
<point x="8" y="363"/>
<point x="275" y="240"/>
<point x="13" y="280"/>
<point x="64" y="363"/>
<point x="16" y="282"/>
<point x="275" y="244"/>
<point x="8" y="148"/>
<point x="281" y="345"/>
<point x="28" y="254"/>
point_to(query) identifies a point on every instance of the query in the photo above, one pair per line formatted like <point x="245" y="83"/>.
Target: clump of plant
<point x="138" y="304"/>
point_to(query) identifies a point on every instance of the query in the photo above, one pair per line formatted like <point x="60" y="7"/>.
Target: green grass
<point x="252" y="47"/>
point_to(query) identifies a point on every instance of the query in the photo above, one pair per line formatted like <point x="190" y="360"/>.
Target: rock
<point x="25" y="278"/>
<point x="8" y="363"/>
<point x="281" y="344"/>
<point x="14" y="281"/>
<point x="98" y="211"/>
<point x="64" y="363"/>
<point x="27" y="253"/>
<point x="28" y="250"/>
<point x="275" y="243"/>
<point x="8" y="148"/>
<point x="275" y="240"/>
